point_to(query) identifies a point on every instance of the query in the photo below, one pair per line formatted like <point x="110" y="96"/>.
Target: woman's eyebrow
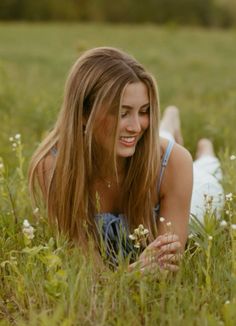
<point x="130" y="107"/>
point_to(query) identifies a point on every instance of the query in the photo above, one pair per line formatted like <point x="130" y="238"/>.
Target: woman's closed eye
<point x="144" y="111"/>
<point x="141" y="112"/>
<point x="123" y="114"/>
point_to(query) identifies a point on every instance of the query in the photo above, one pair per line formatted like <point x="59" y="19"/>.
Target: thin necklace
<point x="108" y="183"/>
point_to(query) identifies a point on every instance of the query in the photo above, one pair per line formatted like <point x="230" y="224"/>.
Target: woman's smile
<point x="128" y="141"/>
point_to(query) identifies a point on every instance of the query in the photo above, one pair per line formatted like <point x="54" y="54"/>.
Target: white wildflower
<point x="229" y="197"/>
<point x="210" y="237"/>
<point x="14" y="145"/>
<point x="232" y="157"/>
<point x="139" y="236"/>
<point x="1" y="166"/>
<point x="132" y="237"/>
<point x="223" y="223"/>
<point x="162" y="219"/>
<point x="136" y="232"/>
<point x="11" y="139"/>
<point x="141" y="231"/>
<point x="227" y="302"/>
<point x="190" y="236"/>
<point x="233" y="226"/>
<point x="26" y="224"/>
<point x="28" y="230"/>
<point x="17" y="136"/>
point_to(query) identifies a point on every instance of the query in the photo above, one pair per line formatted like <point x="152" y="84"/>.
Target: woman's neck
<point x="110" y="172"/>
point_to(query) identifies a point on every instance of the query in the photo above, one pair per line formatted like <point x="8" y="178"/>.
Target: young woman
<point x="105" y="167"/>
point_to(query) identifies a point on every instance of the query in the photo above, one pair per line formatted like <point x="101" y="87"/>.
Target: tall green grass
<point x="45" y="281"/>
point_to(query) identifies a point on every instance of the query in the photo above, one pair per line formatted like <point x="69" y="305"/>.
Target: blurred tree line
<point x="188" y="12"/>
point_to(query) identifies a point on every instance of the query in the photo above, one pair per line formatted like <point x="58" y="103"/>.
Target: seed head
<point x="233" y="226"/>
<point x="139" y="237"/>
<point x="223" y="223"/>
<point x="229" y="197"/>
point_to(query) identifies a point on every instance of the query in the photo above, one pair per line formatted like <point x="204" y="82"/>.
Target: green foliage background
<point x="186" y="12"/>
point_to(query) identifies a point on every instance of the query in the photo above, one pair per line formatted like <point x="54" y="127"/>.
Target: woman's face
<point x="134" y="120"/>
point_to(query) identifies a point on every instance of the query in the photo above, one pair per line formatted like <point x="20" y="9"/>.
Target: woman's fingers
<point x="170" y="258"/>
<point x="169" y="248"/>
<point x="165" y="262"/>
<point x="160" y="261"/>
<point x="164" y="266"/>
<point x="159" y="251"/>
<point x="164" y="239"/>
<point x="170" y="267"/>
<point x="162" y="253"/>
<point x="165" y="244"/>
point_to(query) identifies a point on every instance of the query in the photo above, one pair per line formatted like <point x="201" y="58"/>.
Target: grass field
<point x="43" y="281"/>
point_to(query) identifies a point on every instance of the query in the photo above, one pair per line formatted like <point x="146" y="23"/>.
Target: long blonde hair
<point x="94" y="88"/>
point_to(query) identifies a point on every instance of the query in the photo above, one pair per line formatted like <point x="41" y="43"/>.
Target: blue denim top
<point x="114" y="228"/>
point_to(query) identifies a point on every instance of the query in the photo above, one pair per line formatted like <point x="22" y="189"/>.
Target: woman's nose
<point x="134" y="124"/>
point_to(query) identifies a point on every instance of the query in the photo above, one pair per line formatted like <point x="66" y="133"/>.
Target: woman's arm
<point x="175" y="199"/>
<point x="176" y="193"/>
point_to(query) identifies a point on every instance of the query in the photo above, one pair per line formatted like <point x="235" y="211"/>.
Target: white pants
<point x="208" y="193"/>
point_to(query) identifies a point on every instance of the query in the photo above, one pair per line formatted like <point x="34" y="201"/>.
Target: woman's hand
<point x="163" y="253"/>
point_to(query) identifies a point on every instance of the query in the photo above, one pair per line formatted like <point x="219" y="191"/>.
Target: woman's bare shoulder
<point x="179" y="154"/>
<point x="179" y="167"/>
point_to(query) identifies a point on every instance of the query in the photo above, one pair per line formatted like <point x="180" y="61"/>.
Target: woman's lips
<point x="128" y="141"/>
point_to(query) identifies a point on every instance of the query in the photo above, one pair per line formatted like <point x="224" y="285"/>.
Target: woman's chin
<point x="126" y="152"/>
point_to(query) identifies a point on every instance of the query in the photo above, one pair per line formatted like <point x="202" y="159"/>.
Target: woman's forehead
<point x="135" y="94"/>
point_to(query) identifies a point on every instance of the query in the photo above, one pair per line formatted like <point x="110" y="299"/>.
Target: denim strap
<point x="164" y="163"/>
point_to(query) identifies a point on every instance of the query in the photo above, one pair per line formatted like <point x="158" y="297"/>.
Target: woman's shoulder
<point x="178" y="155"/>
<point x="179" y="167"/>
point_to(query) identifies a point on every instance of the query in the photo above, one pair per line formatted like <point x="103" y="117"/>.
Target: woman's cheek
<point x="145" y="123"/>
